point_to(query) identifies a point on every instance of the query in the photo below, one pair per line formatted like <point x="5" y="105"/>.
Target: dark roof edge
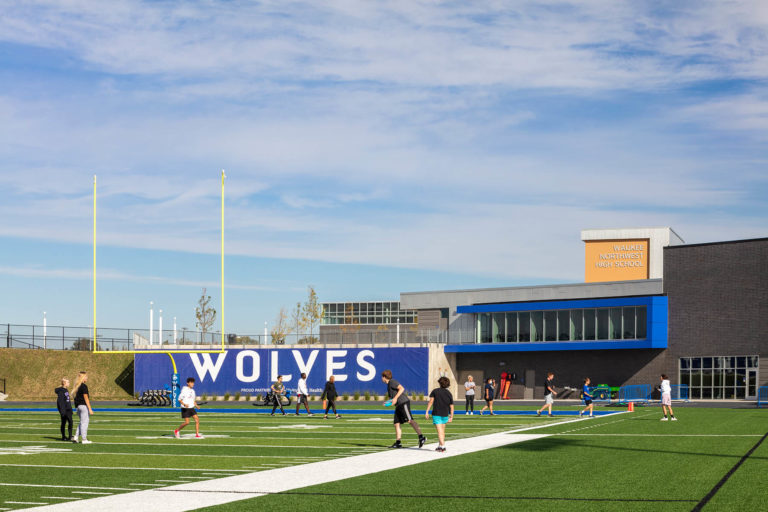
<point x="598" y="283"/>
<point x="745" y="240"/>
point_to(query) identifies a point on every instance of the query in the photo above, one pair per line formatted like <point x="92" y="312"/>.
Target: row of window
<point x="619" y="323"/>
<point x="350" y="313"/>
<point x="720" y="377"/>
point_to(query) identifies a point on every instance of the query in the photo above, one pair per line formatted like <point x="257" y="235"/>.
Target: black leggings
<point x="329" y="405"/>
<point x="277" y="403"/>
<point x="470" y="403"/>
<point x="66" y="419"/>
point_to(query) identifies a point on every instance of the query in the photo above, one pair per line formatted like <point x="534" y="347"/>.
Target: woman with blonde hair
<point x="83" y="405"/>
<point x="64" y="405"/>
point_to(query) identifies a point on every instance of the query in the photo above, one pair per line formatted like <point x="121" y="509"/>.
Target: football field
<point x="712" y="459"/>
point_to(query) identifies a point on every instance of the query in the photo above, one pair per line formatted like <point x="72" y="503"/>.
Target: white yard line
<point x="25" y="503"/>
<point x="116" y="468"/>
<point x="92" y="492"/>
<point x="196" y="495"/>
<point x="60" y="498"/>
<point x="67" y="487"/>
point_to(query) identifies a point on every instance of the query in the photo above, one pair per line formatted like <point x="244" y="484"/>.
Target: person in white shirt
<point x="302" y="395"/>
<point x="188" y="408"/>
<point x="666" y="398"/>
<point x="469" y="403"/>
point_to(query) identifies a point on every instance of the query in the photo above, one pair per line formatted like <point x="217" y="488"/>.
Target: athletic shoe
<point x="271" y="414"/>
<point x="591" y="416"/>
<point x="674" y="419"/>
<point x="581" y="413"/>
<point x="440" y="449"/>
<point x="397" y="444"/>
<point x="199" y="436"/>
<point x="176" y="434"/>
<point x="664" y="419"/>
<point x="472" y="413"/>
<point x="74" y="439"/>
<point x="310" y="414"/>
<point x="338" y="416"/>
<point x="538" y="414"/>
<point x="551" y="415"/>
<point x="325" y="417"/>
<point x="297" y="414"/>
<point x="284" y="414"/>
<point x="466" y="413"/>
<point x="85" y="441"/>
<point x="422" y="440"/>
<point x="65" y="439"/>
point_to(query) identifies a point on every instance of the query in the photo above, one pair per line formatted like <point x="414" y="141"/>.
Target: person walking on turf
<point x="666" y="398"/>
<point x="83" y="406"/>
<point x="442" y="413"/>
<point x="302" y="395"/>
<point x="187" y="399"/>
<point x="587" y="396"/>
<point x="278" y="388"/>
<point x="549" y="394"/>
<point x="488" y="393"/>
<point x="398" y="398"/>
<point x="329" y="397"/>
<point x="469" y="403"/>
<point x="64" y="405"/>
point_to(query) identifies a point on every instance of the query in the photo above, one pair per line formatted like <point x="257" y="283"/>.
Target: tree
<point x="312" y="310"/>
<point x="205" y="313"/>
<point x="280" y="330"/>
<point x="297" y="319"/>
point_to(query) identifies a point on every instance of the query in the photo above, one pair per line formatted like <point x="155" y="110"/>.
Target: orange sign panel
<point x="615" y="260"/>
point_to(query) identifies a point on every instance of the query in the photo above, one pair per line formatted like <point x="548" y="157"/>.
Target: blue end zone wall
<point x="254" y="370"/>
<point x="656" y="326"/>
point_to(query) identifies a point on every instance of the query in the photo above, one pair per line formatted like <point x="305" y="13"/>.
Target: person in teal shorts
<point x="442" y="413"/>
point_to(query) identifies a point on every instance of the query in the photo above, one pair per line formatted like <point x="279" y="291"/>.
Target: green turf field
<point x="628" y="461"/>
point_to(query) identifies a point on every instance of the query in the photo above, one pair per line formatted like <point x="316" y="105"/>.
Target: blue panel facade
<point x="253" y="370"/>
<point x="656" y="325"/>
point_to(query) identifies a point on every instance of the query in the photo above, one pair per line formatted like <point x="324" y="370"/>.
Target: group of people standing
<point x="489" y="391"/>
<point x="82" y="404"/>
<point x="328" y="397"/>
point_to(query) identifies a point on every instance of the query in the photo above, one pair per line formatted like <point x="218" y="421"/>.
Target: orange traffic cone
<point x="631" y="407"/>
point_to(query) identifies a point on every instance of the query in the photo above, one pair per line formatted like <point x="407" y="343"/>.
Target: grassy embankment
<point x="34" y="374"/>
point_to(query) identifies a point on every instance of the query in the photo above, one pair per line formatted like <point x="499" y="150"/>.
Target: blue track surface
<point x="266" y="410"/>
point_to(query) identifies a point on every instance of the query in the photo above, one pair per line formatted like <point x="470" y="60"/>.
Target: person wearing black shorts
<point x="189" y="407"/>
<point x="397" y="396"/>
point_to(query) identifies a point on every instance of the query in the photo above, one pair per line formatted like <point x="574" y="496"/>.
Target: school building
<point x="649" y="304"/>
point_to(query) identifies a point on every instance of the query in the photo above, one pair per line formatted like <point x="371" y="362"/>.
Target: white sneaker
<point x="466" y="413"/>
<point x="75" y="439"/>
<point x="674" y="419"/>
<point x="664" y="419"/>
<point x="176" y="434"/>
<point x="199" y="436"/>
<point x="85" y="441"/>
<point x="472" y="413"/>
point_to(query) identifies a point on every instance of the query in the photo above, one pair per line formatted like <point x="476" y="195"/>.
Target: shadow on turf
<point x="552" y="443"/>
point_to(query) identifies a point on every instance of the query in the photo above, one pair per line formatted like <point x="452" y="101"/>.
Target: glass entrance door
<point x="752" y="384"/>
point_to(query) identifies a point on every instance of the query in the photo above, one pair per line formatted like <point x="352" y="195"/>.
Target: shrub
<point x="248" y="397"/>
<point x="226" y="396"/>
<point x="204" y="397"/>
<point x="237" y="396"/>
<point x="345" y="396"/>
<point x="367" y="395"/>
<point x="258" y="397"/>
<point x="357" y="395"/>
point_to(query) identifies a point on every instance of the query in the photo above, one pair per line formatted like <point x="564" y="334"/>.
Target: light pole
<point x="265" y="333"/>
<point x="174" y="330"/>
<point x="160" y="330"/>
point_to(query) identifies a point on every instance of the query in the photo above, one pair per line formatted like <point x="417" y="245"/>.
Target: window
<point x="484" y="328"/>
<point x="590" y="323"/>
<point x="718" y="377"/>
<point x="524" y="329"/>
<point x="602" y="324"/>
<point x="537" y="325"/>
<point x="511" y="327"/>
<point x="577" y="324"/>
<point x="498" y="330"/>
<point x="550" y="326"/>
<point x="628" y="319"/>
<point x="615" y="323"/>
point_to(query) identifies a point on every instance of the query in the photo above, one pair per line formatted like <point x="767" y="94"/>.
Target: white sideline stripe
<point x="149" y="485"/>
<point x="67" y="487"/>
<point x="119" y="468"/>
<point x="25" y="503"/>
<point x="173" y="481"/>
<point x="91" y="492"/>
<point x="663" y="435"/>
<point x="194" y="495"/>
<point x="174" y="455"/>
<point x="60" y="498"/>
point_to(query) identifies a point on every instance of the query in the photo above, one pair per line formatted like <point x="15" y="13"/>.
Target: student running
<point x="587" y="396"/>
<point x="398" y="398"/>
<point x="64" y="405"/>
<point x="189" y="407"/>
<point x="442" y="399"/>
<point x="329" y="396"/>
<point x="83" y="406"/>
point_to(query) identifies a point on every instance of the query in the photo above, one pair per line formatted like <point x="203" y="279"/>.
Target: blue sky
<point x="371" y="148"/>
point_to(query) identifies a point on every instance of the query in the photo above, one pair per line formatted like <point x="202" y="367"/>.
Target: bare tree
<point x="280" y="330"/>
<point x="205" y="313"/>
<point x="312" y="311"/>
<point x="297" y="319"/>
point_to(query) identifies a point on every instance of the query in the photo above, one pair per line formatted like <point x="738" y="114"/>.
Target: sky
<point x="371" y="148"/>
